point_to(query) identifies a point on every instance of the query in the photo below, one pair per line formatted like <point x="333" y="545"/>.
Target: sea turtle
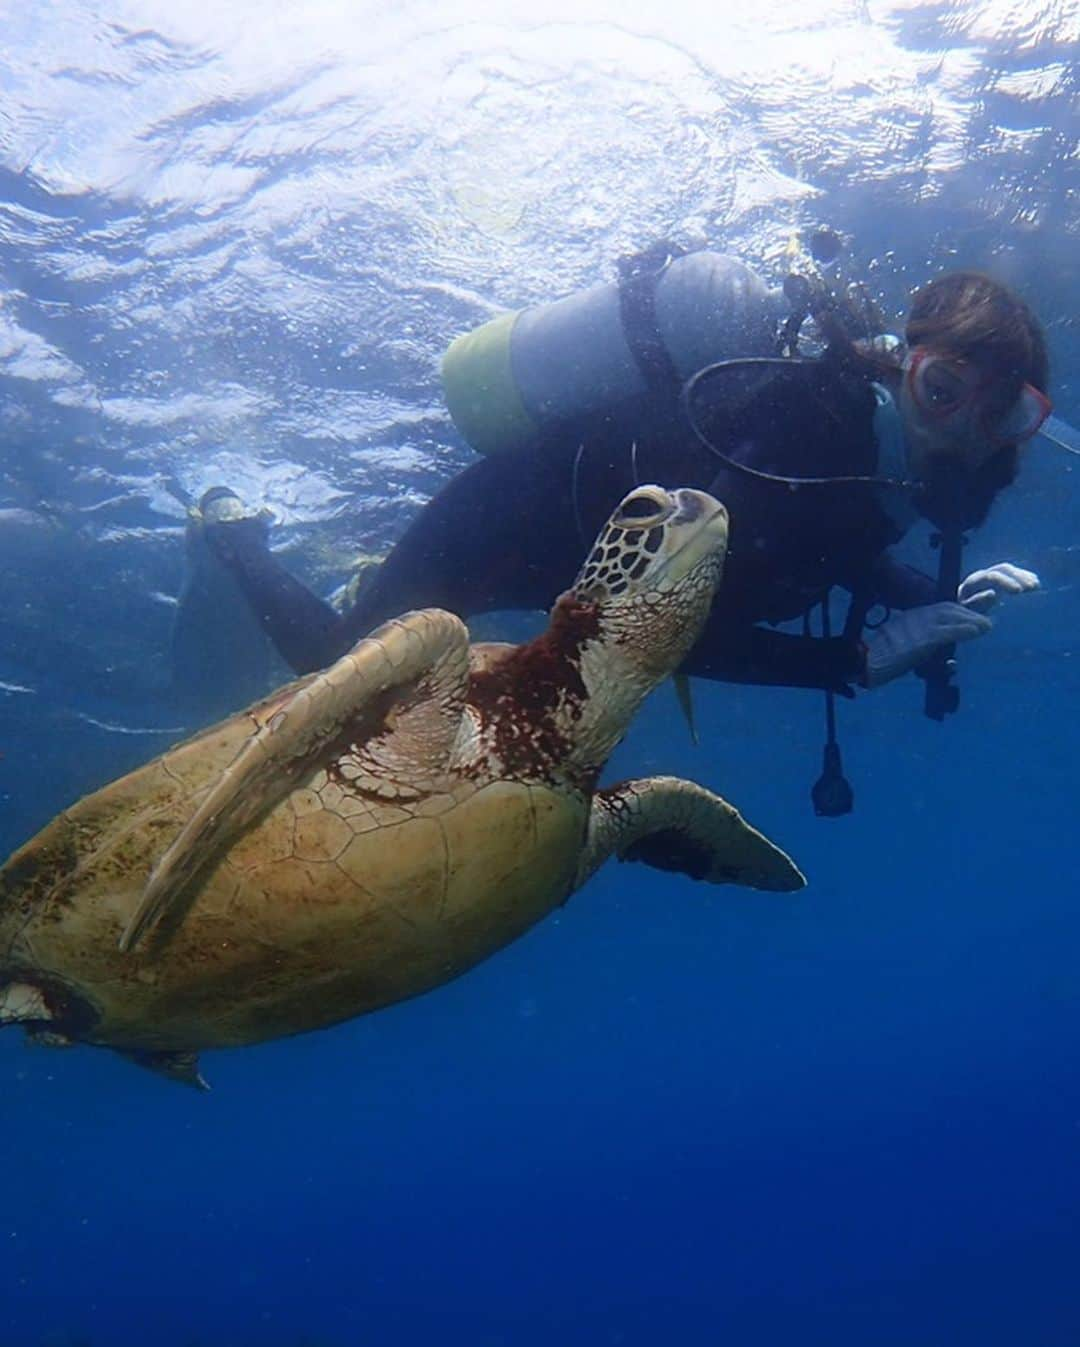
<point x="371" y="831"/>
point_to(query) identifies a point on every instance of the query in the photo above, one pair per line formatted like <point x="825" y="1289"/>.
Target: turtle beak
<point x="700" y="528"/>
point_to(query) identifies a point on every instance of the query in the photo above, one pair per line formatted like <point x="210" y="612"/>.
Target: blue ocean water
<point x="234" y="244"/>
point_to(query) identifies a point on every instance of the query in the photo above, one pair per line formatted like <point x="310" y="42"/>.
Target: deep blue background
<point x="669" y="1114"/>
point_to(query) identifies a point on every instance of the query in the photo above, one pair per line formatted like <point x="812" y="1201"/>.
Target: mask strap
<point x="1059" y="432"/>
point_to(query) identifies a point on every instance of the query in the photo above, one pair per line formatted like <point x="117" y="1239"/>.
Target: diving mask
<point x="941" y="387"/>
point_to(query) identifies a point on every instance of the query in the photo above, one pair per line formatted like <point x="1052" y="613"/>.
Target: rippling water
<point x="235" y="240"/>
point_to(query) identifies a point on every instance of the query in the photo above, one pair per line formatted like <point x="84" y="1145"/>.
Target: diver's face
<point x="930" y="439"/>
<point x="950" y="412"/>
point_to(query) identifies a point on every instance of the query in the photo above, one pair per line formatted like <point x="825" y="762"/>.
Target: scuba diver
<point x="824" y="463"/>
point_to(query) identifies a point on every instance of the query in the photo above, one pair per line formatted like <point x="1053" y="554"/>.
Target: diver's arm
<point x="775" y="658"/>
<point x="306" y="631"/>
<point x="898" y="585"/>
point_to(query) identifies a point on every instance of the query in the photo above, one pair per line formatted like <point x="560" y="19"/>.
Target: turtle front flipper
<point x="677" y="825"/>
<point x="426" y="652"/>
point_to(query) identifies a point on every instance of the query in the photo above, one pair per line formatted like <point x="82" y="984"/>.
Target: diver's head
<point x="975" y="376"/>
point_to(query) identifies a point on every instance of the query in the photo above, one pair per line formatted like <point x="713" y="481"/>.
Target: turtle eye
<point x="643" y="509"/>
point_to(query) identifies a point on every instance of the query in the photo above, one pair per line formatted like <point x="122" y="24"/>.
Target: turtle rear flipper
<point x="349" y="702"/>
<point x="677" y="825"/>
<point x="23" y="1003"/>
<point x="183" y="1067"/>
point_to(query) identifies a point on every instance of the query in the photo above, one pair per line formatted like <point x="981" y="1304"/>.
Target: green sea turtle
<point x="372" y="831"/>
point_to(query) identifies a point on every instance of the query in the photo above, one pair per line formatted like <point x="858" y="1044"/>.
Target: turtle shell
<point x="332" y="905"/>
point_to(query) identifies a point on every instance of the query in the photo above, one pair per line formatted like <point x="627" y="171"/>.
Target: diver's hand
<point x="910" y="638"/>
<point x="982" y="589"/>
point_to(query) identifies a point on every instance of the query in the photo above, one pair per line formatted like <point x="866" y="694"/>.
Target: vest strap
<point x="638" y="275"/>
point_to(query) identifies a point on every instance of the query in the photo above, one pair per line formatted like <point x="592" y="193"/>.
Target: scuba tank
<point x="669" y="313"/>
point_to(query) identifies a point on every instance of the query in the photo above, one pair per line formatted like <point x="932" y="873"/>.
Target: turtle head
<point x="626" y="624"/>
<point x="653" y="572"/>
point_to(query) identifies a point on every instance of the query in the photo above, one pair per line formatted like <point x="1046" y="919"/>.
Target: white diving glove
<point x="982" y="589"/>
<point x="908" y="639"/>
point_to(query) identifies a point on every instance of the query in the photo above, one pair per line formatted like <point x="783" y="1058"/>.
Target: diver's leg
<point x="501" y="534"/>
<point x="305" y="630"/>
<point x="506" y="532"/>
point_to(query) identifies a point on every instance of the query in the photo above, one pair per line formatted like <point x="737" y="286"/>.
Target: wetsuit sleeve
<point x="898" y="585"/>
<point x="775" y="658"/>
<point x="762" y="655"/>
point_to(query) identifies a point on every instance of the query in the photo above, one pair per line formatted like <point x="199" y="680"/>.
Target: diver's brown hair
<point x="970" y="315"/>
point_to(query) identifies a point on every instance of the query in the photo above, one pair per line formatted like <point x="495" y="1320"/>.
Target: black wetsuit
<point x="512" y="530"/>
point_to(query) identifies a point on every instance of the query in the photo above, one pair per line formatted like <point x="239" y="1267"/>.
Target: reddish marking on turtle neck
<point x="518" y="698"/>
